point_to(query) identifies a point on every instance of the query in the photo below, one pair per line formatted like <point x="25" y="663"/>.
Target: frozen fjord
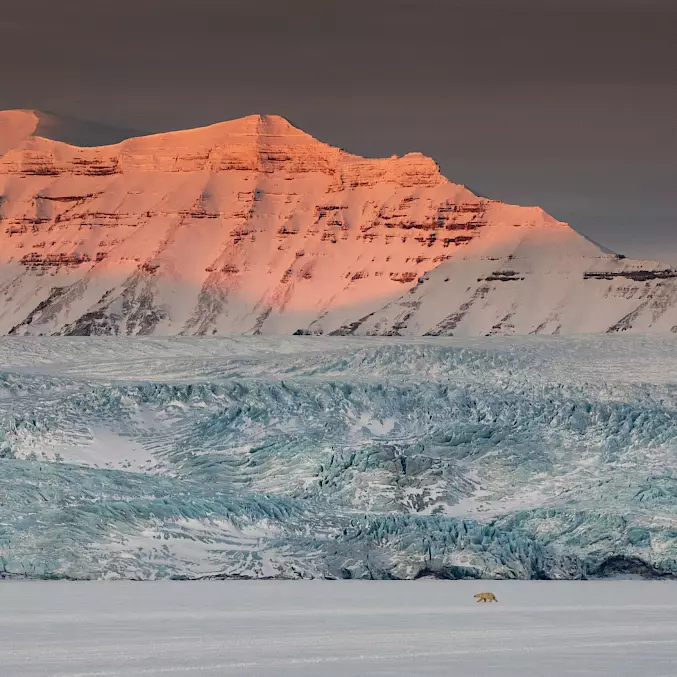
<point x="272" y="628"/>
<point x="340" y="458"/>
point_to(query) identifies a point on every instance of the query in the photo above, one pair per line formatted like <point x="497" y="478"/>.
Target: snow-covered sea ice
<point x="338" y="629"/>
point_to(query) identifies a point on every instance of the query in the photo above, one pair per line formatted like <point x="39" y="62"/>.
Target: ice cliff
<point x="335" y="457"/>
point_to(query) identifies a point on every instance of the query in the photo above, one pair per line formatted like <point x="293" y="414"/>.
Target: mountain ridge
<point x="254" y="226"/>
<point x="66" y="129"/>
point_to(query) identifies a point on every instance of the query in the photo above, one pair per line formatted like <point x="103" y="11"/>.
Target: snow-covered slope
<point x="252" y="226"/>
<point x="333" y="457"/>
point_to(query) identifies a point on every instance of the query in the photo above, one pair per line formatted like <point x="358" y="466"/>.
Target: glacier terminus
<point x="338" y="457"/>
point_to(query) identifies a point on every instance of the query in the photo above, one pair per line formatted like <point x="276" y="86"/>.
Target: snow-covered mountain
<point x="253" y="226"/>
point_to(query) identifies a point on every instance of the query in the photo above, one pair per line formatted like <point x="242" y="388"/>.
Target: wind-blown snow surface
<point x="338" y="629"/>
<point x="254" y="227"/>
<point x="334" y="457"/>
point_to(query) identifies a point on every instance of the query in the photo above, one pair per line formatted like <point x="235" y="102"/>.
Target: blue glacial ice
<point x="309" y="457"/>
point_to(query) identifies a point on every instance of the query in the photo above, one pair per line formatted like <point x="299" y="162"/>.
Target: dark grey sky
<point x="570" y="104"/>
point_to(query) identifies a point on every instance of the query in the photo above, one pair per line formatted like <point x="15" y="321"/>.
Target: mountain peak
<point x="15" y="126"/>
<point x="271" y="123"/>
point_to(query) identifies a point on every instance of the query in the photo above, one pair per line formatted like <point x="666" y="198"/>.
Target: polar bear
<point x="485" y="597"/>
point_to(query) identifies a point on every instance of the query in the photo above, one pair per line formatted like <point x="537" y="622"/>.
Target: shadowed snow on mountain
<point x="254" y="227"/>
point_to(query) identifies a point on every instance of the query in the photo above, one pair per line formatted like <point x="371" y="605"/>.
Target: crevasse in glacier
<point x="333" y="457"/>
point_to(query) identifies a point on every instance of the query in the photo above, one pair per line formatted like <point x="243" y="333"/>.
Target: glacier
<point x="338" y="457"/>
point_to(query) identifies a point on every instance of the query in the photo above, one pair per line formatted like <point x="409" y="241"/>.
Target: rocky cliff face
<point x="252" y="226"/>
